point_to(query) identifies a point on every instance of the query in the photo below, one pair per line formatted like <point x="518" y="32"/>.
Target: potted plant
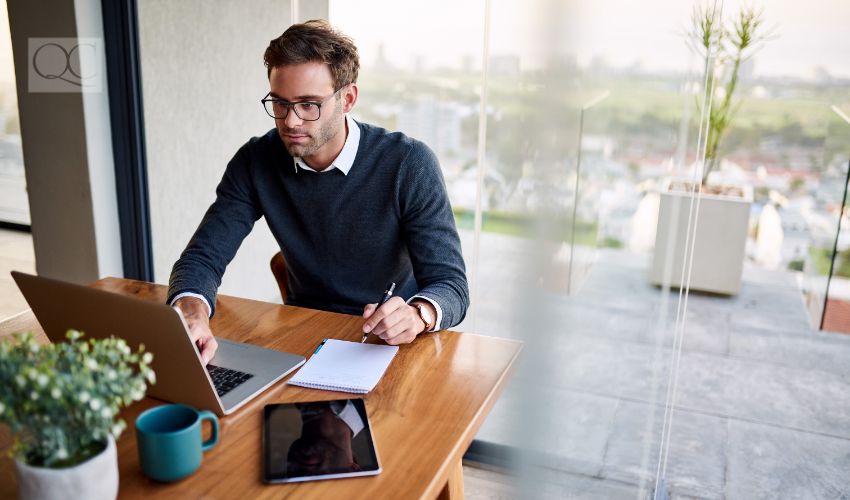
<point x="61" y="402"/>
<point x="719" y="227"/>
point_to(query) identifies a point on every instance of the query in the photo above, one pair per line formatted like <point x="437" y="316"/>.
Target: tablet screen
<point x="317" y="440"/>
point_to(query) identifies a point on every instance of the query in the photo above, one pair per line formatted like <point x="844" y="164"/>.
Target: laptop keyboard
<point x="225" y="379"/>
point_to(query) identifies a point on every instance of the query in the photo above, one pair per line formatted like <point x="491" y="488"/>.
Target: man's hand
<point x="197" y="317"/>
<point x="396" y="322"/>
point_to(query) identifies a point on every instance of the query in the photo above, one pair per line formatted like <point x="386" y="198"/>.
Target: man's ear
<point x="349" y="97"/>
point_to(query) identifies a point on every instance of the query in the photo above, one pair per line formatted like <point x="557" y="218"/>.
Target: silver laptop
<point x="236" y="374"/>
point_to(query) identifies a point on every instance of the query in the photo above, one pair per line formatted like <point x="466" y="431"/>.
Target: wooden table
<point x="425" y="411"/>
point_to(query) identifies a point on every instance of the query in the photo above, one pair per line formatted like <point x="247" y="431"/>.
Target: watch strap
<point x="422" y="315"/>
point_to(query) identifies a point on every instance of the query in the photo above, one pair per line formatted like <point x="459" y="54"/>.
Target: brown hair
<point x="313" y="41"/>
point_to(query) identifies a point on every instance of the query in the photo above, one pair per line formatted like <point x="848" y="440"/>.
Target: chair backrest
<point x="278" y="265"/>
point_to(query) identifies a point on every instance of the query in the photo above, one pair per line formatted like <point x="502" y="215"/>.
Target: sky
<point x="621" y="32"/>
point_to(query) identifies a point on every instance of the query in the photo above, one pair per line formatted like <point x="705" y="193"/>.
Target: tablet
<point x="317" y="440"/>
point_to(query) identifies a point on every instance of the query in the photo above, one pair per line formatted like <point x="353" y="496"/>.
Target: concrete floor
<point x="763" y="402"/>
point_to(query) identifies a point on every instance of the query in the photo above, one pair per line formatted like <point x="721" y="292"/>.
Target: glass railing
<point x="827" y="266"/>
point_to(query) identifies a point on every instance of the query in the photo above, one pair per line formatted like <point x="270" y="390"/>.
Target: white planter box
<point x="721" y="237"/>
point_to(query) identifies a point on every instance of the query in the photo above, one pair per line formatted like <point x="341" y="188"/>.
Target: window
<point x="14" y="204"/>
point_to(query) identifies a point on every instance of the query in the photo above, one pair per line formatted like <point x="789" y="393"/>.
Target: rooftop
<point x="762" y="408"/>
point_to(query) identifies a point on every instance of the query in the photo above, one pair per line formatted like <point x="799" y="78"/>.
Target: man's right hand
<point x="197" y="317"/>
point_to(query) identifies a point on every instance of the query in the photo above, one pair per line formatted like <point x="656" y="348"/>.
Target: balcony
<point x="762" y="408"/>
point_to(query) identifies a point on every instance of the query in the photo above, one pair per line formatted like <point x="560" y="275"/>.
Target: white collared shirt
<point x="344" y="161"/>
<point x="348" y="414"/>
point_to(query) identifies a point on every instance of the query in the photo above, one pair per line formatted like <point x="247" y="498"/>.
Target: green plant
<point x="796" y="265"/>
<point x="62" y="400"/>
<point x="723" y="49"/>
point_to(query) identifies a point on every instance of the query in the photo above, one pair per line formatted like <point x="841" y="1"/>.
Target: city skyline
<point x="806" y="40"/>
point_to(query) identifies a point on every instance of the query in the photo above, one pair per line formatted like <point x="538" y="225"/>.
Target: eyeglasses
<point x="309" y="111"/>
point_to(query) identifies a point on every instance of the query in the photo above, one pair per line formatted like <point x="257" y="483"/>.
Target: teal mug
<point x="170" y="443"/>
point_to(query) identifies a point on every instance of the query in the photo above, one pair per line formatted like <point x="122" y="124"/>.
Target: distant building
<point x="468" y="63"/>
<point x="819" y="75"/>
<point x="504" y="65"/>
<point x="437" y="124"/>
<point x="381" y="62"/>
<point x="562" y="64"/>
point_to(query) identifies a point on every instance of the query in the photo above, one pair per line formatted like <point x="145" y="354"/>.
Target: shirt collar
<point x="345" y="160"/>
<point x="348" y="414"/>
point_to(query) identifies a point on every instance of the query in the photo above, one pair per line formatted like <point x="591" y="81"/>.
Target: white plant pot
<point x="95" y="479"/>
<point x="719" y="243"/>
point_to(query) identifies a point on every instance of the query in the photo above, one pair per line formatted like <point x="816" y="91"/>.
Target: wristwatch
<point x="424" y="315"/>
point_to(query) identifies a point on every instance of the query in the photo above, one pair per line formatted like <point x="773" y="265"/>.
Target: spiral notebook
<point x="338" y="365"/>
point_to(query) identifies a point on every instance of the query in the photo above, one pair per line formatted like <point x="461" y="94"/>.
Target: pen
<point x="385" y="297"/>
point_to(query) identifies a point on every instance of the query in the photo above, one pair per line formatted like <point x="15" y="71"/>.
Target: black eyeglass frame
<point x="290" y="106"/>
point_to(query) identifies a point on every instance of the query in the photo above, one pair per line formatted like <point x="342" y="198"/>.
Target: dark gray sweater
<point x="344" y="237"/>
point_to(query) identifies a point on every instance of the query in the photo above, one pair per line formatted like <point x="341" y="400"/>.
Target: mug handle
<point x="213" y="440"/>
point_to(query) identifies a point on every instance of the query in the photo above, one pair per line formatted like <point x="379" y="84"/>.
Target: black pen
<point x="385" y="297"/>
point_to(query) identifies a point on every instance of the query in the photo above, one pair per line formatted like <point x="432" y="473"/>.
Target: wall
<point x="202" y="79"/>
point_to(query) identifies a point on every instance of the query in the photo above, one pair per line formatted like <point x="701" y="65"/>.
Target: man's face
<point x="319" y="140"/>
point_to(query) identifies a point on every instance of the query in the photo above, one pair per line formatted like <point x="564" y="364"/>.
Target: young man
<point x="352" y="206"/>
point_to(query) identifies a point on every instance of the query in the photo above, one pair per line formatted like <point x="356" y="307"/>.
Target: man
<point x="352" y="206"/>
<point x="328" y="429"/>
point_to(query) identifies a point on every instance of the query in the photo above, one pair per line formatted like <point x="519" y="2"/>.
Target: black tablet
<point x="317" y="440"/>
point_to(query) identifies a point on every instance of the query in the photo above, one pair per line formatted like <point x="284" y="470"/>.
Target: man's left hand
<point x="396" y="322"/>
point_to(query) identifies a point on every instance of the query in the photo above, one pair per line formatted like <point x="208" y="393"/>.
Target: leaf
<point x="93" y="378"/>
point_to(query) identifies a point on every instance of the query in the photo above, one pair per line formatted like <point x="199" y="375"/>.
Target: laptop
<point x="237" y="373"/>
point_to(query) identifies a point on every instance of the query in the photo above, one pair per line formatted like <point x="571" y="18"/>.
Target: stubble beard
<point x="315" y="142"/>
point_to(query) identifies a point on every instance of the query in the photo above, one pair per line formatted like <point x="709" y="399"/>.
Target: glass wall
<point x="14" y="204"/>
<point x="561" y="151"/>
<point x="431" y="91"/>
<point x="759" y="390"/>
<point x="587" y="114"/>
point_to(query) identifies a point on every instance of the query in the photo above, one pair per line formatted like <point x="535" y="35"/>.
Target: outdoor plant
<point x="723" y="47"/>
<point x="61" y="400"/>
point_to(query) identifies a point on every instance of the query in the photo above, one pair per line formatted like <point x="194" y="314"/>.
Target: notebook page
<point x="345" y="366"/>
